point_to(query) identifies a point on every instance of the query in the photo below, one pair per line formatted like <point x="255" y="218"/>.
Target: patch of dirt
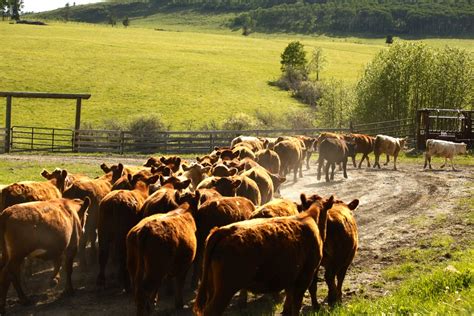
<point x="390" y="204"/>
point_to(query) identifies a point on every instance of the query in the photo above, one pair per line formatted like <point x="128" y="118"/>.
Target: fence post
<point x="351" y="127"/>
<point x="211" y="140"/>
<point x="8" y="124"/>
<point x="52" y="141"/>
<point x="122" y="141"/>
<point x="32" y="136"/>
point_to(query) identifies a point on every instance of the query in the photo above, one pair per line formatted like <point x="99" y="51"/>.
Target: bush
<point x="240" y="121"/>
<point x="146" y="124"/>
<point x="309" y="92"/>
<point x="297" y="119"/>
<point x="290" y="80"/>
<point x="268" y="120"/>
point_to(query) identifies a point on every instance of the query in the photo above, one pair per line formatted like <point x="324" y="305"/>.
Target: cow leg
<point x="354" y="161"/>
<point x="333" y="168"/>
<point x="445" y="162"/>
<point x="341" y="274"/>
<point x="395" y="162"/>
<point x="301" y="168"/>
<point x="14" y="273"/>
<point x="426" y="161"/>
<point x="295" y="173"/>
<point x="4" y="286"/>
<point x="368" y="160"/>
<point x="219" y="301"/>
<point x="377" y="158"/>
<point x="287" y="306"/>
<point x="313" y="290"/>
<point x="388" y="160"/>
<point x="452" y="163"/>
<point x="330" y="278"/>
<point x="344" y="168"/>
<point x="55" y="276"/>
<point x="82" y="251"/>
<point x="308" y="158"/>
<point x="68" y="263"/>
<point x="326" y="170"/>
<point x="178" y="292"/>
<point x="104" y="245"/>
<point x="93" y="238"/>
<point x="122" y="272"/>
<point x="361" y="160"/>
<point x="243" y="297"/>
<point x="320" y="165"/>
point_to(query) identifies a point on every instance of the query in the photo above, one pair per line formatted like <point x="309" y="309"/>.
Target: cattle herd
<point x="218" y="216"/>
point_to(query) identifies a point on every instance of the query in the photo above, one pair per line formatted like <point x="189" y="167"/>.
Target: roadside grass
<point x="436" y="276"/>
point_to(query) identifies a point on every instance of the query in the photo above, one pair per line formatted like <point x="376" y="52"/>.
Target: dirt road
<point x="391" y="204"/>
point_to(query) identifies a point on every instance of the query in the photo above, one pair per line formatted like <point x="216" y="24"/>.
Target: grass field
<point x="189" y="78"/>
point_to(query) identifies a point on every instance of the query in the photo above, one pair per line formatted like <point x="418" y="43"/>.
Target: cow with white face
<point x="442" y="148"/>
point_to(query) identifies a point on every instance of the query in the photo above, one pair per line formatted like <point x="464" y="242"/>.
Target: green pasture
<point x="190" y="78"/>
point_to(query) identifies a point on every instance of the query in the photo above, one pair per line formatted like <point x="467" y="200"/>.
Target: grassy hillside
<point x="189" y="78"/>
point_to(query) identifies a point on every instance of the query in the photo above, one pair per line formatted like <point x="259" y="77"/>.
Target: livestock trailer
<point x="445" y="124"/>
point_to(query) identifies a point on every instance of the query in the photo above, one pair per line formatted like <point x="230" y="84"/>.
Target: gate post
<point x="77" y="126"/>
<point x="8" y="124"/>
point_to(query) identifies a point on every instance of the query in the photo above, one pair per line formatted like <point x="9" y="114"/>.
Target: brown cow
<point x="163" y="200"/>
<point x="334" y="150"/>
<point x="364" y="144"/>
<point x="159" y="246"/>
<point x="196" y="173"/>
<point x="264" y="181"/>
<point x="269" y="159"/>
<point x="28" y="191"/>
<point x="49" y="230"/>
<point x="221" y="170"/>
<point x="291" y="155"/>
<point x="255" y="143"/>
<point x="243" y="151"/>
<point x="207" y="160"/>
<point x="339" y="248"/>
<point x="263" y="255"/>
<point x="390" y="146"/>
<point x="95" y="190"/>
<point x="276" y="208"/>
<point x="118" y="212"/>
<point x="248" y="188"/>
<point x="216" y="213"/>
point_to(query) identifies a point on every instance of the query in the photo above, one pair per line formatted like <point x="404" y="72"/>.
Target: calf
<point x="333" y="150"/>
<point x="264" y="181"/>
<point x="309" y="143"/>
<point x="95" y="190"/>
<point x="216" y="213"/>
<point x="390" y="146"/>
<point x="263" y="255"/>
<point x="243" y="151"/>
<point x="118" y="212"/>
<point x="339" y="248"/>
<point x="442" y="148"/>
<point x="276" y="208"/>
<point x="196" y="173"/>
<point x="28" y="191"/>
<point x="49" y="230"/>
<point x="164" y="199"/>
<point x="159" y="246"/>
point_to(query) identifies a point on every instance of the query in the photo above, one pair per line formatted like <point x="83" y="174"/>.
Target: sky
<point x="46" y="5"/>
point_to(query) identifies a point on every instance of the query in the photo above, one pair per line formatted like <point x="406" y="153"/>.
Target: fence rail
<point x="26" y="138"/>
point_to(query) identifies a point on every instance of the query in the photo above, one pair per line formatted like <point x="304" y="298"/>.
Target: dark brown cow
<point x="216" y="213"/>
<point x="163" y="200"/>
<point x="119" y="211"/>
<point x="334" y="150"/>
<point x="339" y="248"/>
<point x="28" y="191"/>
<point x="269" y="159"/>
<point x="221" y="170"/>
<point x="49" y="230"/>
<point x="364" y="144"/>
<point x="95" y="190"/>
<point x="276" y="208"/>
<point x="159" y="246"/>
<point x="263" y="255"/>
<point x="291" y="155"/>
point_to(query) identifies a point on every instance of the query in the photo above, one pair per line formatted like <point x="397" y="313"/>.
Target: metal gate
<point x="24" y="138"/>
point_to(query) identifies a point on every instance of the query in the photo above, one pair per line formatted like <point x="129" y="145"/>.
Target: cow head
<point x="61" y="178"/>
<point x="223" y="171"/>
<point x="226" y="186"/>
<point x="317" y="207"/>
<point x="173" y="162"/>
<point x="461" y="148"/>
<point x="198" y="168"/>
<point x="192" y="199"/>
<point x="135" y="179"/>
<point x="403" y="142"/>
<point x="161" y="169"/>
<point x="82" y="213"/>
<point x="174" y="182"/>
<point x="277" y="180"/>
<point x="152" y="162"/>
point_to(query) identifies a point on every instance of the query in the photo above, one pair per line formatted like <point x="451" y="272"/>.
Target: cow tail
<point x="142" y="239"/>
<point x="207" y="276"/>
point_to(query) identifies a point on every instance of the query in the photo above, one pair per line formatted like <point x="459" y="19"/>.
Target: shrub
<point x="240" y="121"/>
<point x="309" y="92"/>
<point x="297" y="119"/>
<point x="146" y="124"/>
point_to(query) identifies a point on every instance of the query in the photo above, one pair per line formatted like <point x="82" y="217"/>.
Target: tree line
<point x="397" y="17"/>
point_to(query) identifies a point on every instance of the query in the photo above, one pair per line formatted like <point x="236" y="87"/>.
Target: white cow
<point x="389" y="146"/>
<point x="442" y="148"/>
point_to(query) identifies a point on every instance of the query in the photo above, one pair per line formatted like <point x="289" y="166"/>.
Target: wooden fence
<point x="395" y="128"/>
<point x="172" y="142"/>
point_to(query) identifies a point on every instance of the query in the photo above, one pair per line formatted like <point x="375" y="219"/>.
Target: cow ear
<point x="198" y="159"/>
<point x="178" y="161"/>
<point x="206" y="169"/>
<point x="185" y="167"/>
<point x="233" y="171"/>
<point x="177" y="196"/>
<point x="216" y="148"/>
<point x="163" y="159"/>
<point x="45" y="174"/>
<point x="129" y="178"/>
<point x="236" y="183"/>
<point x="299" y="207"/>
<point x="184" y="184"/>
<point x="235" y="154"/>
<point x="153" y="169"/>
<point x="120" y="167"/>
<point x="162" y="179"/>
<point x="281" y="179"/>
<point x="152" y="179"/>
<point x="353" y="205"/>
<point x="64" y="174"/>
<point x="148" y="163"/>
<point x="328" y="204"/>
<point x="247" y="167"/>
<point x="105" y="168"/>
